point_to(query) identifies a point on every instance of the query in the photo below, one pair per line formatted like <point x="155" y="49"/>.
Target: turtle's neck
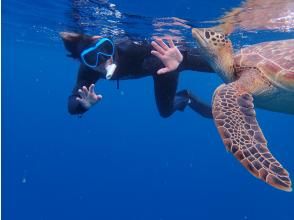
<point x="225" y="70"/>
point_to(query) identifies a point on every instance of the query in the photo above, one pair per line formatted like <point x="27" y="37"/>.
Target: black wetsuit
<point x="134" y="60"/>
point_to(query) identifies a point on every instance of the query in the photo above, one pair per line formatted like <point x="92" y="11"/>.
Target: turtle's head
<point x="217" y="49"/>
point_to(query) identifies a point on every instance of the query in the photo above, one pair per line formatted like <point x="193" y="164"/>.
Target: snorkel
<point x="104" y="48"/>
<point x="110" y="70"/>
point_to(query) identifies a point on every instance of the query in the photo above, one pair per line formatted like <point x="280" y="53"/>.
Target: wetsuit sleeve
<point x="193" y="60"/>
<point x="86" y="77"/>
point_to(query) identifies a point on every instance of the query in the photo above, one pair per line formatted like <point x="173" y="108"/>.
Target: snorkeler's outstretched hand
<point x="169" y="55"/>
<point x="88" y="97"/>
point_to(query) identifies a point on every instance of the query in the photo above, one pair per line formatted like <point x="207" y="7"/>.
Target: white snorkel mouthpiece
<point x="110" y="70"/>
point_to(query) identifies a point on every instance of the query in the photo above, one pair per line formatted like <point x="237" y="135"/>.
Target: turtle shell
<point x="275" y="60"/>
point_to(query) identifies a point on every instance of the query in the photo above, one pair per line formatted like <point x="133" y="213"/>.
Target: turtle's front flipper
<point x="234" y="116"/>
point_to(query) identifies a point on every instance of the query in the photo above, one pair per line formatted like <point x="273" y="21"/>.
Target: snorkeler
<point x="126" y="59"/>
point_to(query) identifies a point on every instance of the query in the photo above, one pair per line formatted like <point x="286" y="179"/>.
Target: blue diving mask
<point x="100" y="53"/>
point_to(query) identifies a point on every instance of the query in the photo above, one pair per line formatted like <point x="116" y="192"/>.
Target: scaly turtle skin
<point x="263" y="73"/>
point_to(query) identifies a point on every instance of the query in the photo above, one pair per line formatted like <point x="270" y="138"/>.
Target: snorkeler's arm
<point x="169" y="55"/>
<point x="83" y="96"/>
<point x="193" y="60"/>
<point x="176" y="60"/>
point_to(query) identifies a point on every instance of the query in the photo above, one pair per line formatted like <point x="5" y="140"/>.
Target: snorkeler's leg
<point x="165" y="87"/>
<point x="195" y="103"/>
<point x="168" y="101"/>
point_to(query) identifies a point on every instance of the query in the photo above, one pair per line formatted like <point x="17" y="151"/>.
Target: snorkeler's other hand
<point x="169" y="55"/>
<point x="88" y="97"/>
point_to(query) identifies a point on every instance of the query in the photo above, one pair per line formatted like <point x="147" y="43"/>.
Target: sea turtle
<point x="264" y="73"/>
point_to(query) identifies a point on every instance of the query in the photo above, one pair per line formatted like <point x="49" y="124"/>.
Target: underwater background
<point x="121" y="160"/>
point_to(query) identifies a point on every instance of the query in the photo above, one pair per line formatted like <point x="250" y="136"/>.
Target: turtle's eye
<point x="207" y="35"/>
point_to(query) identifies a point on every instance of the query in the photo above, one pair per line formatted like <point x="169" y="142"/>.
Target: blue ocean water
<point x="121" y="160"/>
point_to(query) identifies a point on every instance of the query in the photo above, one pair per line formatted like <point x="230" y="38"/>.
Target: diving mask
<point x="100" y="53"/>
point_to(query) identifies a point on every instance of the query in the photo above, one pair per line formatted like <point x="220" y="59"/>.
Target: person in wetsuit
<point x="133" y="60"/>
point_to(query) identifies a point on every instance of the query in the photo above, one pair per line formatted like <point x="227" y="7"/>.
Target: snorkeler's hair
<point x="75" y="43"/>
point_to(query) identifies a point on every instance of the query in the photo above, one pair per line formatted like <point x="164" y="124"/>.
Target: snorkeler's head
<point x="75" y="43"/>
<point x="93" y="51"/>
<point x="98" y="53"/>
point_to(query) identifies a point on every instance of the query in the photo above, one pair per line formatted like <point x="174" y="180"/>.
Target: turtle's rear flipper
<point x="234" y="116"/>
<point x="185" y="96"/>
